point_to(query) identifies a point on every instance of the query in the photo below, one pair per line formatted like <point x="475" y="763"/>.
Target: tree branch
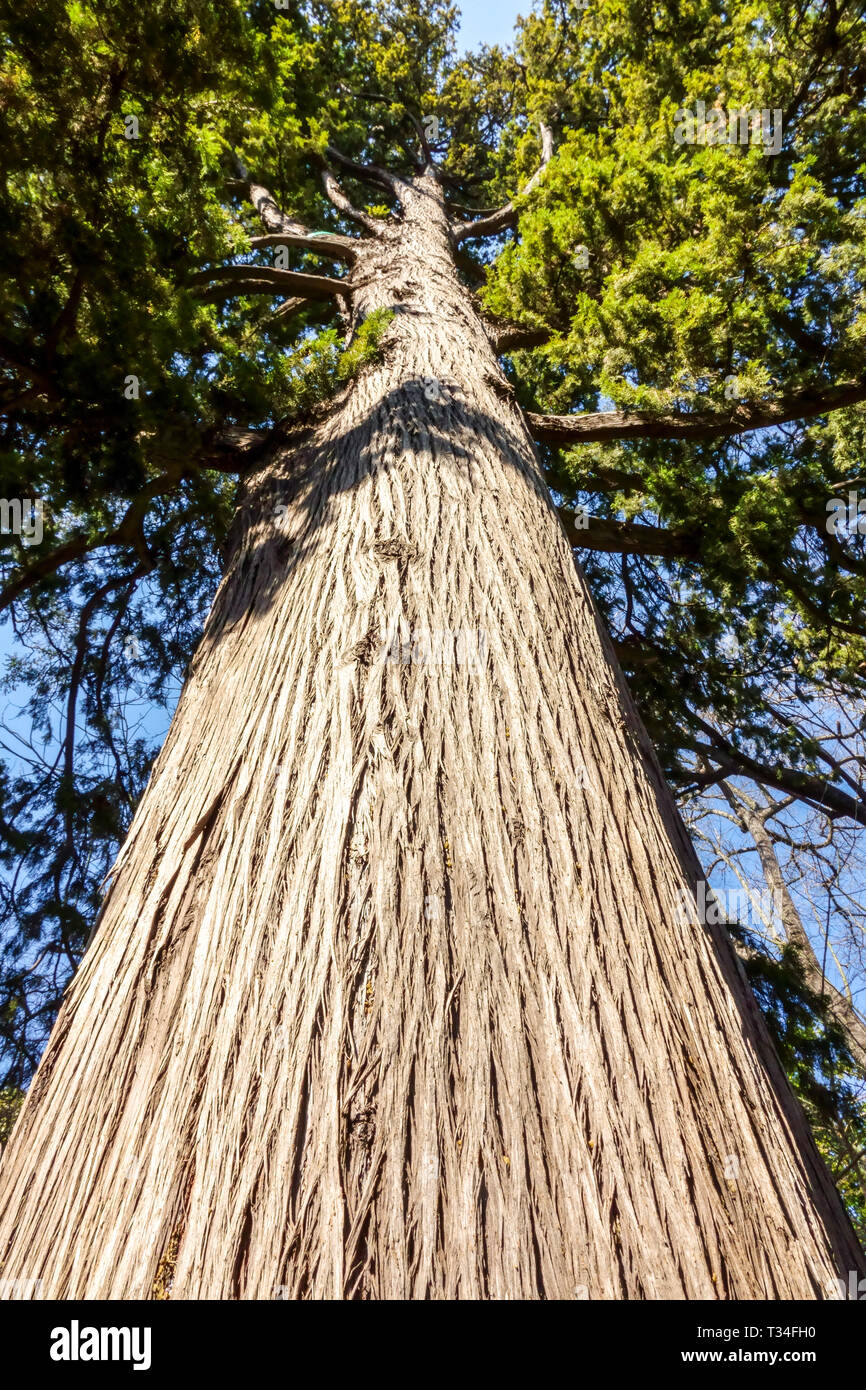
<point x="367" y="173"/>
<point x="72" y="549"/>
<point x="816" y="790"/>
<point x="507" y="337"/>
<point x="265" y="279"/>
<point x="232" y="449"/>
<point x="505" y="216"/>
<point x="334" y="192"/>
<point x="329" y="244"/>
<point x="289" y="306"/>
<point x="286" y="231"/>
<point x="217" y="294"/>
<point x="629" y="537"/>
<point x="615" y="424"/>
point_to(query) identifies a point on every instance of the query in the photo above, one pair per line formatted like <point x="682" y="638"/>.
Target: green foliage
<point x="11" y="1101"/>
<point x="367" y="344"/>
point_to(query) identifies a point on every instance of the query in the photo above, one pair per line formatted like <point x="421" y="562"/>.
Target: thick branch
<point x="232" y="449"/>
<point x="428" y="157"/>
<point x="367" y="173"/>
<point x="473" y="270"/>
<point x="286" y="231"/>
<point x="615" y="424"/>
<point x="508" y="337"/>
<point x="816" y="790"/>
<point x="335" y="193"/>
<point x="505" y="216"/>
<point x="216" y="294"/>
<point x="629" y="537"/>
<point x="289" y="306"/>
<point x="328" y="244"/>
<point x="264" y="279"/>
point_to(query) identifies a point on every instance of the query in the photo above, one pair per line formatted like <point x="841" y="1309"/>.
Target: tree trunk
<point x="390" y="996"/>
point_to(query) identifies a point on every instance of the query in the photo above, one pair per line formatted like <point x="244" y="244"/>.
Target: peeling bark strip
<point x="390" y="997"/>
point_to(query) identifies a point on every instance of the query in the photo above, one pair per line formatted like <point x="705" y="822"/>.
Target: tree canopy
<point x="680" y="315"/>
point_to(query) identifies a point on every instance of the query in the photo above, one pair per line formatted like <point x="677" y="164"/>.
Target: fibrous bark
<point x="391" y="994"/>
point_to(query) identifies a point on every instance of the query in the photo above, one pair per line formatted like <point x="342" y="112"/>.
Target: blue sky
<point x="489" y="21"/>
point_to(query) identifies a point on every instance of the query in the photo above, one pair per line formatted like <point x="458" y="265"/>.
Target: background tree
<point x="681" y="325"/>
